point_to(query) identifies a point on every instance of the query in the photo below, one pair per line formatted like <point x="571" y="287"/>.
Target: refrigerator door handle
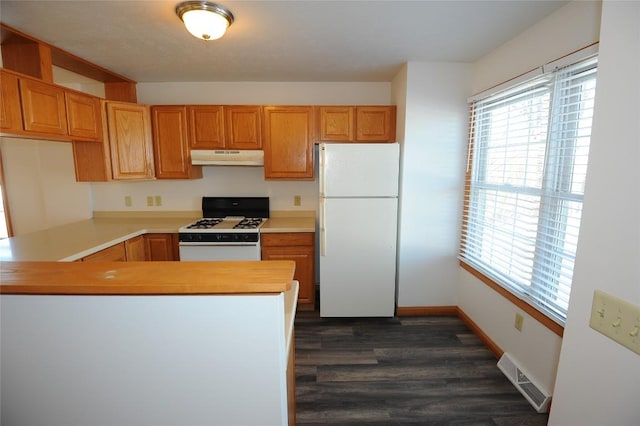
<point x="323" y="231"/>
<point x="322" y="161"/>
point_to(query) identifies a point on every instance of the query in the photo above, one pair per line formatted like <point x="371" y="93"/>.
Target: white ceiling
<point x="276" y="40"/>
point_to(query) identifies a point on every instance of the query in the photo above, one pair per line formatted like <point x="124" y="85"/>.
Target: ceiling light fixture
<point x="203" y="19"/>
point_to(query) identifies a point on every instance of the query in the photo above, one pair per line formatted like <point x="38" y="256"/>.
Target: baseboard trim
<point x="421" y="311"/>
<point x="490" y="344"/>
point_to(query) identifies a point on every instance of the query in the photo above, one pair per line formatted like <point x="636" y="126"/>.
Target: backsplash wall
<point x="185" y="195"/>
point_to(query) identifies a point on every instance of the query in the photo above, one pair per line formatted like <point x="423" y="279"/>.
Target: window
<point x="529" y="147"/>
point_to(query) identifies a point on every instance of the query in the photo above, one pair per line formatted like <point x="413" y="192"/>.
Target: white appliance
<point x="228" y="230"/>
<point x="358" y="229"/>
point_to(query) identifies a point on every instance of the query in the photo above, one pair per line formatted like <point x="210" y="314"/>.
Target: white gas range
<point x="229" y="230"/>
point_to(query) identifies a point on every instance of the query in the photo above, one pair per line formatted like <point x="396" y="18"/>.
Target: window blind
<point x="528" y="155"/>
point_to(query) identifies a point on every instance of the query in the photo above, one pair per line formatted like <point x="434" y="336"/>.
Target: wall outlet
<point x="617" y="319"/>
<point x="518" y="322"/>
<point x="158" y="200"/>
<point x="296" y="200"/>
<point x="127" y="201"/>
<point x="149" y="201"/>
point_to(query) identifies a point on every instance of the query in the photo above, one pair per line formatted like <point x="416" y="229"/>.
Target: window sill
<point x="533" y="312"/>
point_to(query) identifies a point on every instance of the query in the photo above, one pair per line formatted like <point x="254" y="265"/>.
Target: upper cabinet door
<point x="43" y="108"/>
<point x="171" y="144"/>
<point x="10" y="114"/>
<point x="376" y="123"/>
<point x="336" y="123"/>
<point x="288" y="142"/>
<point x="84" y="116"/>
<point x="206" y="127"/>
<point x="129" y="129"/>
<point x="243" y="127"/>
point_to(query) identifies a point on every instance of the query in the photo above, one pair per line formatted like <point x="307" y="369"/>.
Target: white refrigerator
<point x="358" y="229"/>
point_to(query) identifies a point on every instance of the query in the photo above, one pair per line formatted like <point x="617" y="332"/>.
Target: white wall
<point x="569" y="28"/>
<point x="40" y="185"/>
<point x="434" y="126"/>
<point x="264" y="93"/>
<point x="536" y="348"/>
<point x="599" y="380"/>
<point x="143" y="360"/>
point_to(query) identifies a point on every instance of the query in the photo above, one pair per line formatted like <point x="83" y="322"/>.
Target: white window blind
<point x="529" y="148"/>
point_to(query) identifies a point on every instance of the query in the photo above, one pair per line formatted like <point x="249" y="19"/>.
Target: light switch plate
<point x="617" y="319"/>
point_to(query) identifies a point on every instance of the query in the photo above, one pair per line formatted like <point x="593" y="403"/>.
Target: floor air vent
<point x="534" y="393"/>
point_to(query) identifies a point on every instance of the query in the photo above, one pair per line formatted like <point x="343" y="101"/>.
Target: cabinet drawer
<point x="287" y="239"/>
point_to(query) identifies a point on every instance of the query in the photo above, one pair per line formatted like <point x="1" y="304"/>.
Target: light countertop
<point x="75" y="240"/>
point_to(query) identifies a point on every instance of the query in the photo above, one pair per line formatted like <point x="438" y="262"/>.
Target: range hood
<point x="222" y="157"/>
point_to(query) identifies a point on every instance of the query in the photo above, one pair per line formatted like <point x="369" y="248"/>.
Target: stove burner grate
<point x="205" y="223"/>
<point x="248" y="223"/>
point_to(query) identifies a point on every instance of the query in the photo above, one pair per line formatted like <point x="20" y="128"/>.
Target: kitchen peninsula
<point x="147" y="343"/>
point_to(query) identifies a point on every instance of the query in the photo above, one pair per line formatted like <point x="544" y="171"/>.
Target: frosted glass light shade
<point x="204" y="20"/>
<point x="204" y="24"/>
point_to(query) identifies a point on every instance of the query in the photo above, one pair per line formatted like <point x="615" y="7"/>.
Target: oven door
<point x="219" y="251"/>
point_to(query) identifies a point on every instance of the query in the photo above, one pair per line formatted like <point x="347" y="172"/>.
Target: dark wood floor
<point x="401" y="371"/>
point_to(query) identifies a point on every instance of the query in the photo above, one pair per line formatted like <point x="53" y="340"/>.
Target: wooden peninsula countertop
<point x="146" y="278"/>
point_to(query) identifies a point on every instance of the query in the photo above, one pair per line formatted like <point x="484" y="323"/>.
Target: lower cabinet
<point x="115" y="253"/>
<point x="161" y="247"/>
<point x="299" y="247"/>
<point x="134" y="249"/>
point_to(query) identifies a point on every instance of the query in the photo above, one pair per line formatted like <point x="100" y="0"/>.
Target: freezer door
<point x="358" y="257"/>
<point x="359" y="169"/>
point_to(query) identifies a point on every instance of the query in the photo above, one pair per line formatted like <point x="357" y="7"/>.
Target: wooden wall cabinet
<point x="225" y="127"/>
<point x="336" y="123"/>
<point x="376" y="123"/>
<point x="127" y="150"/>
<point x="33" y="108"/>
<point x="171" y="148"/>
<point x="206" y="127"/>
<point x="130" y="141"/>
<point x="299" y="247"/>
<point x="135" y="249"/>
<point x="43" y="108"/>
<point x="356" y="123"/>
<point x="288" y="142"/>
<point x="84" y="116"/>
<point x="10" y="113"/>
<point x="243" y="127"/>
<point x="161" y="247"/>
